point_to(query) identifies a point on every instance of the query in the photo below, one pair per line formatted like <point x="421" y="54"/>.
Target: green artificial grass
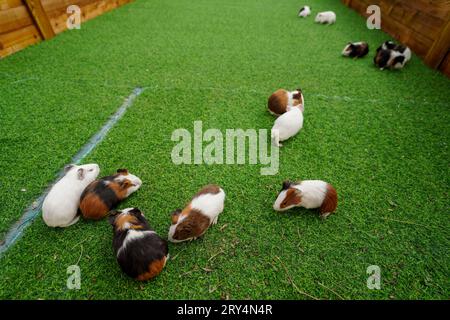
<point x="381" y="138"/>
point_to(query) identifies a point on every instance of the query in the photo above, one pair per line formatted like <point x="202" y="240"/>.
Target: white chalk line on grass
<point x="15" y="232"/>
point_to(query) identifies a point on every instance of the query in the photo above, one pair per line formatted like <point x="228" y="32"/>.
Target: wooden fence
<point x="26" y="22"/>
<point x="423" y="25"/>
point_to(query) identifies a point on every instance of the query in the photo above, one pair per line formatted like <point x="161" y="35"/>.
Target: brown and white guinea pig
<point x="203" y="211"/>
<point x="104" y="194"/>
<point x="281" y="99"/>
<point x="140" y="252"/>
<point x="356" y="49"/>
<point x="309" y="194"/>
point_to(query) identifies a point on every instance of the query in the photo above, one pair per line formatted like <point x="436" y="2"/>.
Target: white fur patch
<point x="133" y="235"/>
<point x="211" y="205"/>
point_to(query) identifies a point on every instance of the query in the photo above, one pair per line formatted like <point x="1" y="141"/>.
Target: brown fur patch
<point x="210" y="188"/>
<point x="154" y="268"/>
<point x="92" y="207"/>
<point x="330" y="201"/>
<point x="278" y="102"/>
<point x="292" y="198"/>
<point x="174" y="217"/>
<point x="122" y="219"/>
<point x="298" y="98"/>
<point x="193" y="226"/>
<point x="120" y="189"/>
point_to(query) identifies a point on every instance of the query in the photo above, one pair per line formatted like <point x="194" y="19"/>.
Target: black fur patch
<point x="106" y="194"/>
<point x="286" y="185"/>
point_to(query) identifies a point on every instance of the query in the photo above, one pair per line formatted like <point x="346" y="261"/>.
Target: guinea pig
<point x="328" y="17"/>
<point x="309" y="194"/>
<point x="356" y="50"/>
<point x="60" y="206"/>
<point x="304" y="11"/>
<point x="287" y="125"/>
<point x="391" y="55"/>
<point x="400" y="56"/>
<point x="104" y="194"/>
<point x="382" y="58"/>
<point x="203" y="211"/>
<point x="281" y="99"/>
<point x="140" y="252"/>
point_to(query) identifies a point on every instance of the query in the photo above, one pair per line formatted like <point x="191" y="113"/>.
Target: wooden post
<point x="40" y="18"/>
<point x="439" y="49"/>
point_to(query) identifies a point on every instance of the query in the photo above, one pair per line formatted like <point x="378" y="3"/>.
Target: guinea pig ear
<point x="286" y="184"/>
<point x="123" y="171"/>
<point x="125" y="184"/>
<point x="81" y="173"/>
<point x="112" y="216"/>
<point x="299" y="90"/>
<point x="68" y="167"/>
<point x="136" y="211"/>
<point x="175" y="215"/>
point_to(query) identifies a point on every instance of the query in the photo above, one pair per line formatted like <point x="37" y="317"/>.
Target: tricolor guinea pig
<point x="60" y="206"/>
<point x="203" y="211"/>
<point x="106" y="193"/>
<point x="287" y="125"/>
<point x="356" y="50"/>
<point x="328" y="17"/>
<point x="281" y="99"/>
<point x="309" y="194"/>
<point x="392" y="56"/>
<point x="140" y="252"/>
<point x="304" y="11"/>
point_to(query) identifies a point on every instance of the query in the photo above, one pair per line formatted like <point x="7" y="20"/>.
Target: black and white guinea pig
<point x="104" y="194"/>
<point x="392" y="56"/>
<point x="203" y="211"/>
<point x="140" y="252"/>
<point x="309" y="194"/>
<point x="356" y="49"/>
<point x="304" y="11"/>
<point x="281" y="100"/>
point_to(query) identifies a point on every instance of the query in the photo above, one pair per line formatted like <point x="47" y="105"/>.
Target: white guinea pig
<point x="287" y="125"/>
<point x="203" y="211"/>
<point x="309" y="194"/>
<point x="304" y="11"/>
<point x="61" y="204"/>
<point x="328" y="17"/>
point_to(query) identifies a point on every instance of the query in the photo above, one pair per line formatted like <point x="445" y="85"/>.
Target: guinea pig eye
<point x="90" y="170"/>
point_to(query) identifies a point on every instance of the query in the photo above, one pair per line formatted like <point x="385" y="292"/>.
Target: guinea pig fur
<point x="356" y="50"/>
<point x="309" y="194"/>
<point x="60" y="206"/>
<point x="391" y="55"/>
<point x="140" y="252"/>
<point x="287" y="125"/>
<point x="281" y="99"/>
<point x="328" y="17"/>
<point x="382" y="58"/>
<point x="304" y="11"/>
<point x="106" y="193"/>
<point x="203" y="211"/>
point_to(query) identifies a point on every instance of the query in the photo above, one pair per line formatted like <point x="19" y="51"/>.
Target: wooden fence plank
<point x="40" y="18"/>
